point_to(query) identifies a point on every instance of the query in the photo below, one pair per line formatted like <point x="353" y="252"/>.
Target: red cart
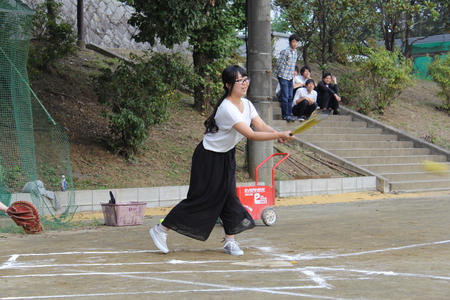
<point x="259" y="199"/>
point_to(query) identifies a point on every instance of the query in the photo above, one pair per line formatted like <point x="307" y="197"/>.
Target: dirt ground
<point x="391" y="247"/>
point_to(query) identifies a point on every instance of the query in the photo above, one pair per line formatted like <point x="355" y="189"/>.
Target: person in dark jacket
<point x="327" y="94"/>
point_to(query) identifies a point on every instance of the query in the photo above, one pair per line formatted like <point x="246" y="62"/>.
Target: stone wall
<point x="105" y="23"/>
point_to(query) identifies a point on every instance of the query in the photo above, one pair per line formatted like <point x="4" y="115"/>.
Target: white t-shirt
<point x="297" y="79"/>
<point x="303" y="92"/>
<point x="302" y="79"/>
<point x="227" y="116"/>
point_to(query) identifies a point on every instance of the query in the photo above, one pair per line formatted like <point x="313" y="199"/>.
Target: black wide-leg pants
<point x="212" y="194"/>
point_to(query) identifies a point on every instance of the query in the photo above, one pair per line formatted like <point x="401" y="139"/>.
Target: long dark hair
<point x="229" y="76"/>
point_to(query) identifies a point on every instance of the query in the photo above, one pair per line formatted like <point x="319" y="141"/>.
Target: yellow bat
<point x="309" y="123"/>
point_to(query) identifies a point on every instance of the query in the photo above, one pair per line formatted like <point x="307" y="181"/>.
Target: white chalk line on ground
<point x="280" y="270"/>
<point x="310" y="272"/>
<point x="313" y="257"/>
<point x="161" y="292"/>
<point x="11" y="262"/>
<point x="208" y="286"/>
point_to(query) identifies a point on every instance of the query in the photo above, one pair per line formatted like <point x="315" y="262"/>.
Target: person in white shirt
<point x="297" y="81"/>
<point x="212" y="189"/>
<point x="305" y="99"/>
<point x="305" y="74"/>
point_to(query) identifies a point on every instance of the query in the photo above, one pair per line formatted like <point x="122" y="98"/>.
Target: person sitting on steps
<point x="304" y="103"/>
<point x="305" y="74"/>
<point x="327" y="93"/>
<point x="297" y="81"/>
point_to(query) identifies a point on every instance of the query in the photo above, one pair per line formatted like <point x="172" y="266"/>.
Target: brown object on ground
<point x="25" y="214"/>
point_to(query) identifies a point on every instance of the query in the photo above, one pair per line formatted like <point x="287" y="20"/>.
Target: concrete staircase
<point x="368" y="146"/>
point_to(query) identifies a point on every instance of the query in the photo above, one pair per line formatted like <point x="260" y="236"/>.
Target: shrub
<point x="138" y="94"/>
<point x="439" y="70"/>
<point x="377" y="81"/>
<point x="53" y="39"/>
<point x="353" y="91"/>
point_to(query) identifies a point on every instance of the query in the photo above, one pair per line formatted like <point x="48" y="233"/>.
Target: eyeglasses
<point x="242" y="81"/>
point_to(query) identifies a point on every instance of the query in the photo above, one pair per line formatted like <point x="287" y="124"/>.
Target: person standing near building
<point x="284" y="72"/>
<point x="212" y="188"/>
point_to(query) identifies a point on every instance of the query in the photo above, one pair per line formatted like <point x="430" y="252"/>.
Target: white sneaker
<point x="159" y="238"/>
<point x="233" y="248"/>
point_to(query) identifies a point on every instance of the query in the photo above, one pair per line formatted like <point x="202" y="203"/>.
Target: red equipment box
<point x="259" y="199"/>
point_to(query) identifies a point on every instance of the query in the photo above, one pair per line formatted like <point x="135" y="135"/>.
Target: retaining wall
<point x="165" y="196"/>
<point x="105" y="23"/>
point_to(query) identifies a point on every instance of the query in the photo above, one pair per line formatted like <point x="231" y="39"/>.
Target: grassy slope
<point x="165" y="160"/>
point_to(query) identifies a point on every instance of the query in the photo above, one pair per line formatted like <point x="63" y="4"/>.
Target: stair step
<point x="275" y="103"/>
<point x="363" y="144"/>
<point x="313" y="138"/>
<point x="383" y="154"/>
<point x="420" y="185"/>
<point x="342" y="124"/>
<point x="416" y="176"/>
<point x="380" y="152"/>
<point x="277" y="120"/>
<point x="392" y="168"/>
<point x="378" y="160"/>
<point x="338" y="130"/>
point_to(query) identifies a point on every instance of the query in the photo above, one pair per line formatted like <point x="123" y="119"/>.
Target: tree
<point x="377" y="81"/>
<point x="321" y="24"/>
<point x="209" y="27"/>
<point x="397" y="18"/>
<point x="296" y="16"/>
<point x="428" y="24"/>
<point x="53" y="38"/>
<point x="440" y="72"/>
<point x="324" y="24"/>
<point x="138" y="94"/>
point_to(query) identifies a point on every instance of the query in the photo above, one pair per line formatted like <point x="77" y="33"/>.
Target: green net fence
<point x="424" y="55"/>
<point x="34" y="149"/>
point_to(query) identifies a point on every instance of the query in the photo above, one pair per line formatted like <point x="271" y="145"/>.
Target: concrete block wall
<point x="89" y="200"/>
<point x="325" y="186"/>
<point x="166" y="196"/>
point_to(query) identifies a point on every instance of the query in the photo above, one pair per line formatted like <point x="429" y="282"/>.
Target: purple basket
<point x="124" y="214"/>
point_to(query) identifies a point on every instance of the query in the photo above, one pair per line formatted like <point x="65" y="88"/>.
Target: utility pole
<point x="259" y="67"/>
<point x="80" y="25"/>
